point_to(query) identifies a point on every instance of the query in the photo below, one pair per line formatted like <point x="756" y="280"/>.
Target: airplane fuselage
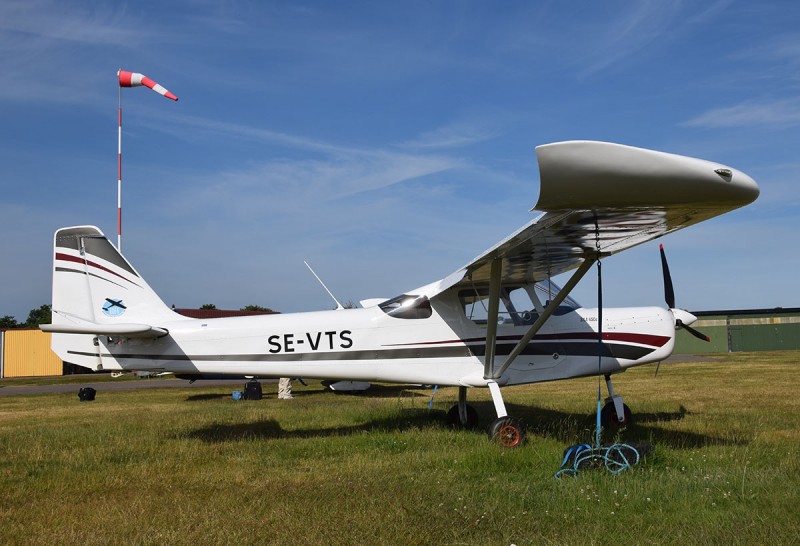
<point x="445" y="348"/>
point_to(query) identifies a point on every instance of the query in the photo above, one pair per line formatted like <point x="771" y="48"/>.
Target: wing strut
<point x="548" y="311"/>
<point x="494" y="307"/>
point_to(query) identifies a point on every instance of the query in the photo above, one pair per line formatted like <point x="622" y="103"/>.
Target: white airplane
<point x="496" y="322"/>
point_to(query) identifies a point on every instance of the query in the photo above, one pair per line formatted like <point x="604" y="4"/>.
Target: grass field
<point x="173" y="466"/>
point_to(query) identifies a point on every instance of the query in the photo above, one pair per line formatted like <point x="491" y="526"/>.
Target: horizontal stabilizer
<point x="77" y="325"/>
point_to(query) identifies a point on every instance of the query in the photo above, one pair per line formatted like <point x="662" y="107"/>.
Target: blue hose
<point x="615" y="458"/>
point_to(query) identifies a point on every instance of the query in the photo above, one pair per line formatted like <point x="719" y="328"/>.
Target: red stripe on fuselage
<point x="642" y="339"/>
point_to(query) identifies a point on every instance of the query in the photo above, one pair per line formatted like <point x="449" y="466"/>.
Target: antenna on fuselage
<point x="338" y="305"/>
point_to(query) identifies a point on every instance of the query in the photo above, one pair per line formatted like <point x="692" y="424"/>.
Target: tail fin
<point x="93" y="281"/>
<point x="97" y="291"/>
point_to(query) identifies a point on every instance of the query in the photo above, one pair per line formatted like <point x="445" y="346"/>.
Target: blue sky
<point x="386" y="143"/>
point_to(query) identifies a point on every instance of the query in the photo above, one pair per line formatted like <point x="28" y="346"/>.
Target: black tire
<point x="507" y="431"/>
<point x="454" y="420"/>
<point x="609" y="419"/>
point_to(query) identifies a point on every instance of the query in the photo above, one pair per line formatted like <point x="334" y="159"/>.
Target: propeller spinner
<point x="682" y="318"/>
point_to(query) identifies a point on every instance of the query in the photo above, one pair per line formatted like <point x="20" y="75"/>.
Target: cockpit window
<point x="408" y="306"/>
<point x="515" y="306"/>
<point x="518" y="305"/>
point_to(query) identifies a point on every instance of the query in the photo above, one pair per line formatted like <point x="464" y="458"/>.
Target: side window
<point x="515" y="306"/>
<point x="408" y="307"/>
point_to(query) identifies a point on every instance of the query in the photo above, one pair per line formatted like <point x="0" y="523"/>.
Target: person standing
<point x="285" y="388"/>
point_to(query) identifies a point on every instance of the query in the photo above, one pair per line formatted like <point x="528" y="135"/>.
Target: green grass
<point x="174" y="466"/>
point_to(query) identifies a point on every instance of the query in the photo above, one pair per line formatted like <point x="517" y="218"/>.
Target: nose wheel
<point x="609" y="418"/>
<point x="462" y="414"/>
<point x="615" y="414"/>
<point x="470" y="419"/>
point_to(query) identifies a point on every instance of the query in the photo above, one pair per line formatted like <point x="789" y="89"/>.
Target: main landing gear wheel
<point x="454" y="420"/>
<point x="609" y="418"/>
<point x="507" y="431"/>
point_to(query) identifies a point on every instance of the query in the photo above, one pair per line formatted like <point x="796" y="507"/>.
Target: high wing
<point x="601" y="198"/>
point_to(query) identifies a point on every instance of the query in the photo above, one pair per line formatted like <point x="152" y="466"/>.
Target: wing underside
<point x="600" y="198"/>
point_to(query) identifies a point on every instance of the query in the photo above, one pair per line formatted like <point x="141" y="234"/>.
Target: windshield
<point x="408" y="306"/>
<point x="545" y="291"/>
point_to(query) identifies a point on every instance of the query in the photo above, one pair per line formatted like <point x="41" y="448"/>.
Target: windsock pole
<point x="119" y="172"/>
<point x="130" y="79"/>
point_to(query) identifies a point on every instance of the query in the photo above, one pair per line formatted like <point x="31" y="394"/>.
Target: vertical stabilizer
<point x="93" y="281"/>
<point x="95" y="289"/>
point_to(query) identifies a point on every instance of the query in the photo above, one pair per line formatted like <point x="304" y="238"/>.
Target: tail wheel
<point x="507" y="431"/>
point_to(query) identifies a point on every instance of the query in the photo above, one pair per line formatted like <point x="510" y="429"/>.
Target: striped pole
<point x="119" y="172"/>
<point x="129" y="79"/>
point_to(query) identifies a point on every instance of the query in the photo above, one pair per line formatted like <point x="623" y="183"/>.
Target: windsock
<point x="133" y="79"/>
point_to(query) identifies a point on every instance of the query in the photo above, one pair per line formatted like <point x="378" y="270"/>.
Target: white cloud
<point x="51" y="49"/>
<point x="455" y="135"/>
<point x="626" y="34"/>
<point x="776" y="113"/>
<point x="56" y="21"/>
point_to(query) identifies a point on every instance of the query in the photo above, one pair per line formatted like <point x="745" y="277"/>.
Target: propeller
<point x="683" y="319"/>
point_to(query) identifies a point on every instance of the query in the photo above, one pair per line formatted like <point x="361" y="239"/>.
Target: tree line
<point x="43" y="315"/>
<point x="40" y="315"/>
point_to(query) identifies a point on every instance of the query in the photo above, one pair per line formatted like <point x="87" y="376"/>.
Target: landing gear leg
<point x="506" y="431"/>
<point x="615" y="413"/>
<point x="462" y="414"/>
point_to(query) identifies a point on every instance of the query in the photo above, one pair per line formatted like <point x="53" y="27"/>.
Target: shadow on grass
<point x="271" y="429"/>
<point x="575" y="428"/>
<point x="207" y="396"/>
<point x="567" y="428"/>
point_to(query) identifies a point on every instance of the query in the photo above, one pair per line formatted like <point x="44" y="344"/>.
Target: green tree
<point x="257" y="308"/>
<point x="208" y="306"/>
<point x="8" y="322"/>
<point x="41" y="315"/>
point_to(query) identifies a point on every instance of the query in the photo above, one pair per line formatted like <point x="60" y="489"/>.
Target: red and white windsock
<point x="129" y="79"/>
<point x="134" y="79"/>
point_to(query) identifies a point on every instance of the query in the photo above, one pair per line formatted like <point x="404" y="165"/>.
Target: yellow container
<point x="27" y="353"/>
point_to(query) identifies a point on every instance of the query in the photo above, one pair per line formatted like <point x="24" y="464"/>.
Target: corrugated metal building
<point x="26" y="352"/>
<point x="743" y="330"/>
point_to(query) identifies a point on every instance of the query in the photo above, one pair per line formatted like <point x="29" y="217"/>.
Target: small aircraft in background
<point x="496" y="322"/>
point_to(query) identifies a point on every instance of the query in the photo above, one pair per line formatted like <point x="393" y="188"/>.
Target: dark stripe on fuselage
<point x="644" y="339"/>
<point x="616" y="350"/>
